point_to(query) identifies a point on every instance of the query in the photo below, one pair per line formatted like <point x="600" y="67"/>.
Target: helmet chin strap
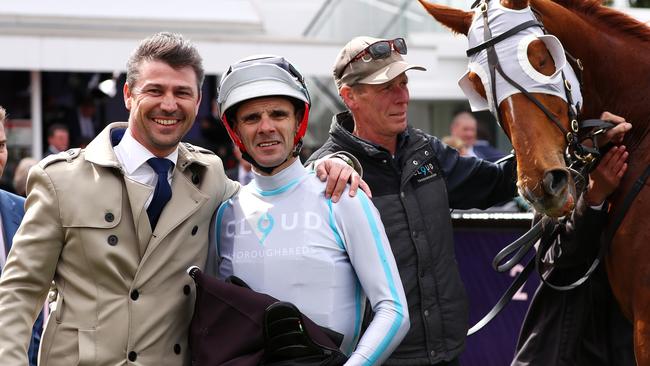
<point x="266" y="169"/>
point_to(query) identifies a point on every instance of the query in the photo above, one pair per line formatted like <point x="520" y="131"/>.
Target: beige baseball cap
<point x="367" y="70"/>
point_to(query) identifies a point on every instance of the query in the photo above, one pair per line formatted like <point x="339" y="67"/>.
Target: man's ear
<point x="127" y="96"/>
<point x="348" y="95"/>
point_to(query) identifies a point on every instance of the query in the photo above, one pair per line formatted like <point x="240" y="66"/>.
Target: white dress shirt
<point x="133" y="159"/>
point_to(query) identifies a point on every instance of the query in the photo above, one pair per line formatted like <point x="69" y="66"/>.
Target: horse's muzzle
<point x="555" y="181"/>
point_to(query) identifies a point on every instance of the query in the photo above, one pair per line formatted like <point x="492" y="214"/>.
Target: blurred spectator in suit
<point x="58" y="139"/>
<point x="11" y="214"/>
<point x="20" y="175"/>
<point x="464" y="127"/>
<point x="82" y="125"/>
<point x="242" y="172"/>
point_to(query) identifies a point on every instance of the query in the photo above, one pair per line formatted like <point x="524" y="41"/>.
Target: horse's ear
<point x="456" y="19"/>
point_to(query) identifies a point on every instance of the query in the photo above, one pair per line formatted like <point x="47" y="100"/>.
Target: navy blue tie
<point x="163" y="191"/>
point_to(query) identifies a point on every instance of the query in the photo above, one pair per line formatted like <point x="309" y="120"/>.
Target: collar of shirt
<point x="133" y="159"/>
<point x="53" y="149"/>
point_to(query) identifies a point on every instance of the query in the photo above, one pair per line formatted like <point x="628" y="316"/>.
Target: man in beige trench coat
<point x="123" y="295"/>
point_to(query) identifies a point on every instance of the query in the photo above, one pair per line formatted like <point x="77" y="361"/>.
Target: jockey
<point x="284" y="238"/>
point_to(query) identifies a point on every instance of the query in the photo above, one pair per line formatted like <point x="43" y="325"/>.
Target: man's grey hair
<point x="170" y="48"/>
<point x="3" y="114"/>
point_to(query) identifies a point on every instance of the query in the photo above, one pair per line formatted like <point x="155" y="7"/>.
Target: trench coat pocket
<point x="87" y="347"/>
<point x="58" y="345"/>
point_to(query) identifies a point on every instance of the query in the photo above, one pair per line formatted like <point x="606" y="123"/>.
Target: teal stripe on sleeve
<point x="217" y="223"/>
<point x="337" y="236"/>
<point x="359" y="300"/>
<point x="389" y="277"/>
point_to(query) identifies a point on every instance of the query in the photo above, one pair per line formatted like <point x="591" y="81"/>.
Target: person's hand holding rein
<point x="607" y="175"/>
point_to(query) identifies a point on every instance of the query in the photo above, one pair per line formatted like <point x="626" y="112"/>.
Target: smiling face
<point x="163" y="104"/>
<point x="266" y="127"/>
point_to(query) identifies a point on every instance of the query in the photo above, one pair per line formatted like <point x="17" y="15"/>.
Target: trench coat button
<point x="426" y="313"/>
<point x="187" y="289"/>
<point x="426" y="152"/>
<point x="432" y="353"/>
<point x="133" y="356"/>
<point x="195" y="179"/>
<point x="415" y="162"/>
<point x="195" y="229"/>
<point x="112" y="240"/>
<point x="177" y="349"/>
<point x="109" y="217"/>
<point x="134" y="295"/>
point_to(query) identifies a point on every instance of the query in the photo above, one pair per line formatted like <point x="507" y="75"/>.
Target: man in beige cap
<point x="415" y="179"/>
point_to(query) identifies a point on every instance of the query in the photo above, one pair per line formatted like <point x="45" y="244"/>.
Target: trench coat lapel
<point x="186" y="200"/>
<point x="138" y="194"/>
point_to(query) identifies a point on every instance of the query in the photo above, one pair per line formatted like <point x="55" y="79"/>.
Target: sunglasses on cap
<point x="380" y="50"/>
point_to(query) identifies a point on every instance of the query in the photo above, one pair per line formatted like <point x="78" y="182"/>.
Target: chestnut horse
<point x="613" y="49"/>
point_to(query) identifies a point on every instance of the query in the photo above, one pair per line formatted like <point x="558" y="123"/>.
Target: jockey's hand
<point x="338" y="173"/>
<point x="607" y="175"/>
<point x="614" y="135"/>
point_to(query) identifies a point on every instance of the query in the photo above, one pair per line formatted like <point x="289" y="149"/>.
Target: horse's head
<point x="520" y="78"/>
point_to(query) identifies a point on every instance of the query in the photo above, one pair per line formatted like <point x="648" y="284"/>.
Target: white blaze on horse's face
<point x="512" y="54"/>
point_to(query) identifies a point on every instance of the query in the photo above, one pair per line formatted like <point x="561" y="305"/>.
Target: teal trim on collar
<point x="284" y="188"/>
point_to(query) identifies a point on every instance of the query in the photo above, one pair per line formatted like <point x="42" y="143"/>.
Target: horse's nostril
<point x="555" y="181"/>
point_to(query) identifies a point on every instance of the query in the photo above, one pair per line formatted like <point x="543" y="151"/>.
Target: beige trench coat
<point x="123" y="295"/>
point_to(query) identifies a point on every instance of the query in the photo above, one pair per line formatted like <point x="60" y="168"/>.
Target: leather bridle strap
<point x="521" y="246"/>
<point x="619" y="213"/>
<point x="505" y="298"/>
<point x="503" y="36"/>
<point x="582" y="151"/>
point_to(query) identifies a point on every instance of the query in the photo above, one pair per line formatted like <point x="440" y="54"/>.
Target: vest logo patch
<point x="424" y="173"/>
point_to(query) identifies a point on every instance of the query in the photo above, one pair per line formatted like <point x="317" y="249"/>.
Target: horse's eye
<point x="540" y="58"/>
